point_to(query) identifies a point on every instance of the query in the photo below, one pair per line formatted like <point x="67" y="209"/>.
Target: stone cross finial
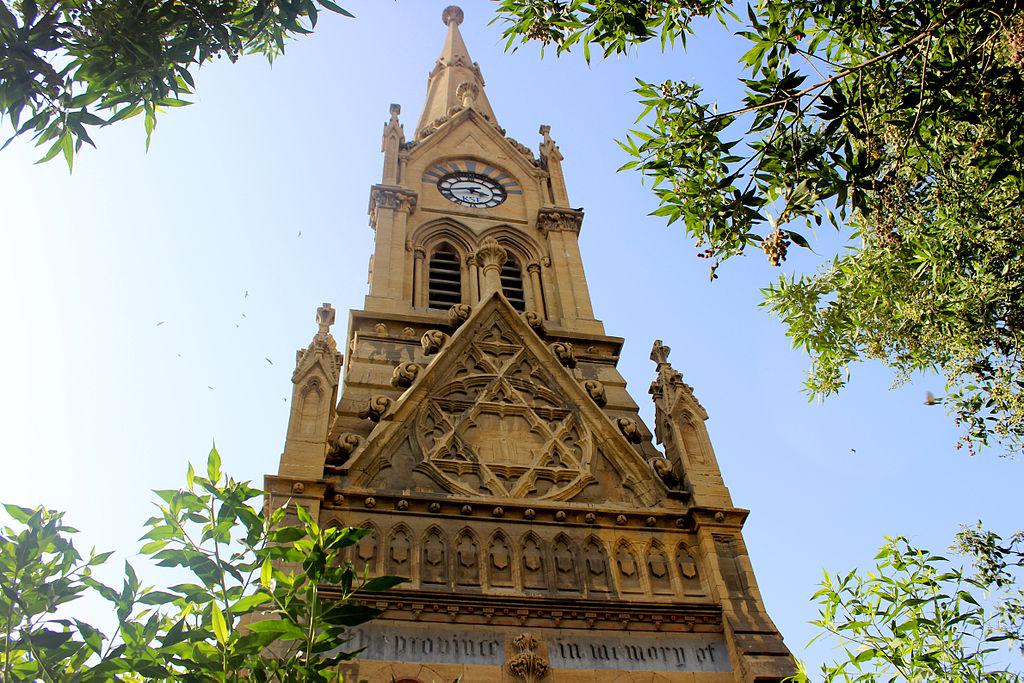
<point x="325" y="318"/>
<point x="659" y="352"/>
<point x="452" y="13"/>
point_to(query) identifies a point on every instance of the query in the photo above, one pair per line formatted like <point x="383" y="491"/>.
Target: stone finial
<point x="491" y="256"/>
<point x="452" y="13"/>
<point x="325" y="316"/>
<point x="395" y="110"/>
<point x="545" y="131"/>
<point x="491" y="253"/>
<point x="659" y="352"/>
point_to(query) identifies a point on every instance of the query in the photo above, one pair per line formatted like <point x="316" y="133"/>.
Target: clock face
<point x="472" y="189"/>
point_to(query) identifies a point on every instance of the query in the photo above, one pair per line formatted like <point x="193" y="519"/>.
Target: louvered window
<point x="445" y="288"/>
<point x="512" y="284"/>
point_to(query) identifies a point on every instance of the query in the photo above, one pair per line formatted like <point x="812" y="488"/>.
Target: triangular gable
<point x="491" y="134"/>
<point x="496" y="415"/>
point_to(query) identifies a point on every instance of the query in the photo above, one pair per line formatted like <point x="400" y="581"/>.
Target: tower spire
<point x="455" y="82"/>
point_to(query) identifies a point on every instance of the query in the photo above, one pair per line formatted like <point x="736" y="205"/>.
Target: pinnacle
<point x="454" y="75"/>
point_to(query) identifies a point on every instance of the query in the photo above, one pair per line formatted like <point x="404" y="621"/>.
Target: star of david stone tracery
<point x="497" y="429"/>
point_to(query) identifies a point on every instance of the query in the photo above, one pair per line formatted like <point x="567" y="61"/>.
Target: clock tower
<point x="478" y="426"/>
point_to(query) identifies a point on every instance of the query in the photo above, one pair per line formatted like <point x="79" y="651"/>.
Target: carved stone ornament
<point x="375" y="408"/>
<point x="380" y="328"/>
<point x="533" y="319"/>
<point x="563" y="352"/>
<point x="458" y="314"/>
<point x="663" y="468"/>
<point x="433" y="341"/>
<point x="491" y="254"/>
<point x="467" y="93"/>
<point x="321" y="348"/>
<point x="298" y="487"/>
<point x="527" y="665"/>
<point x="404" y="375"/>
<point x="342" y="448"/>
<point x="498" y="429"/>
<point x="408" y="333"/>
<point x="596" y="391"/>
<point x="629" y="430"/>
<point x="551" y="220"/>
<point x="382" y="197"/>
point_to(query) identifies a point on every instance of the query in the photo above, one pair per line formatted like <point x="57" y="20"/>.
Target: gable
<point x="468" y="135"/>
<point x="495" y="415"/>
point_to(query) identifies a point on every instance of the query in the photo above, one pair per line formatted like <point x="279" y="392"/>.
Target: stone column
<point x="419" y="287"/>
<point x="474" y="279"/>
<point x="533" y="268"/>
<point x="491" y="256"/>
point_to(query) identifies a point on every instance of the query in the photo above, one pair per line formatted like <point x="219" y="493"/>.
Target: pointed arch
<point x="690" y="576"/>
<point x="595" y="566"/>
<point x="467" y="558"/>
<point x="399" y="552"/>
<point x="498" y="560"/>
<point x="366" y="553"/>
<point x="627" y="567"/>
<point x="659" y="568"/>
<point x="565" y="564"/>
<point x="532" y="562"/>
<point x="434" y="557"/>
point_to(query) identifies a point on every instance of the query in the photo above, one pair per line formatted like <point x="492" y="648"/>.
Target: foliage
<point x="897" y="123"/>
<point x="70" y="65"/>
<point x="917" y="616"/>
<point x="252" y="608"/>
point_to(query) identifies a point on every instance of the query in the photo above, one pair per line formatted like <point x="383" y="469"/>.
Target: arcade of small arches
<point x="453" y="266"/>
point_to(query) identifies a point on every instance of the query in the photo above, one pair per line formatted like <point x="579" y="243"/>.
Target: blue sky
<point x="152" y="302"/>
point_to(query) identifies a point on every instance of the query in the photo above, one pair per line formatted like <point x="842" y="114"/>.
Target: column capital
<point x="491" y="254"/>
<point x="551" y="219"/>
<point x="390" y="197"/>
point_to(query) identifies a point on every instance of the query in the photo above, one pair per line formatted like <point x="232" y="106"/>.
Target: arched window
<point x="445" y="274"/>
<point x="512" y="283"/>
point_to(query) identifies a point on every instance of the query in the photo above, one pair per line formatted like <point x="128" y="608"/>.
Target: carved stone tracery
<point x="497" y="429"/>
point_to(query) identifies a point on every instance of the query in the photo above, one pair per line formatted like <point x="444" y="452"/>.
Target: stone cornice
<point x="547" y="611"/>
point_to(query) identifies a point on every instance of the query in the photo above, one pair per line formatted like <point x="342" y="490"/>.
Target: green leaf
<point x="335" y="8"/>
<point x="267" y="573"/>
<point x="382" y="583"/>
<point x="213" y="465"/>
<point x="220" y="626"/>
